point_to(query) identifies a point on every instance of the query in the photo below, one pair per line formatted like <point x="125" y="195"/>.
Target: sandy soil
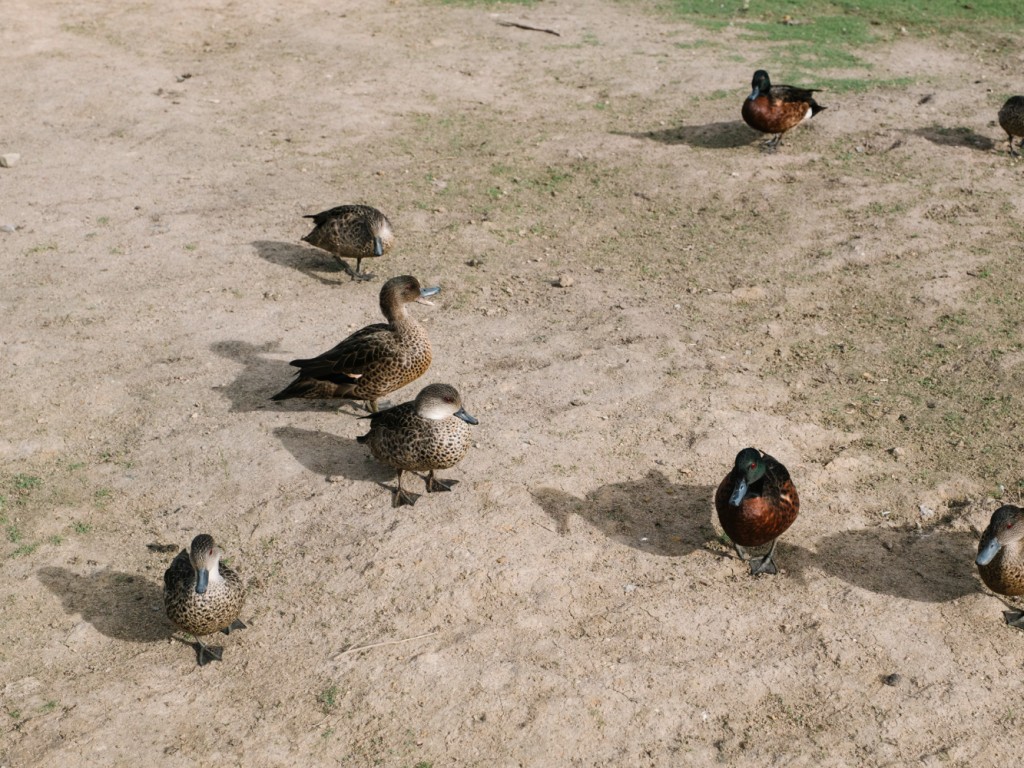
<point x="851" y="304"/>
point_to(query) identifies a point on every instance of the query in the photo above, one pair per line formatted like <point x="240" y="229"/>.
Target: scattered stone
<point x="335" y="478"/>
<point x="926" y="512"/>
<point x="564" y="281"/>
<point x="897" y="452"/>
<point x="7" y="228"/>
<point x="893" y="680"/>
<point x="9" y="160"/>
<point x="577" y="402"/>
<point x="474" y="263"/>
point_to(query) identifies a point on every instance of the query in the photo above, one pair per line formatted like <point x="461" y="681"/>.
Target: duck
<point x="203" y="595"/>
<point x="777" y="108"/>
<point x="351" y="232"/>
<point x="423" y="435"/>
<point x="375" y="360"/>
<point x="1000" y="557"/>
<point x="756" y="503"/>
<point x="1011" y="120"/>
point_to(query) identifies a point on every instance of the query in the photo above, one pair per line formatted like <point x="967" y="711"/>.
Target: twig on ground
<point x="382" y="642"/>
<point x="528" y="28"/>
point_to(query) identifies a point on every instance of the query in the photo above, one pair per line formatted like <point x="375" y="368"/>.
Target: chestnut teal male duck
<point x="1011" y="120"/>
<point x="203" y="596"/>
<point x="351" y="232"/>
<point x="756" y="503"/>
<point x="374" y="360"/>
<point x="777" y="108"/>
<point x="424" y="435"/>
<point x="1001" y="557"/>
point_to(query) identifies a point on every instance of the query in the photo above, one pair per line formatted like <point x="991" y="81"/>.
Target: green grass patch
<point x="328" y="698"/>
<point x="828" y="34"/>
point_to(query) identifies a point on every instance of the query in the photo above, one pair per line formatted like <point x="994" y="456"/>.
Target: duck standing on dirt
<point x="1011" y="119"/>
<point x="202" y="596"/>
<point x="351" y="232"/>
<point x="1001" y="557"/>
<point x="756" y="503"/>
<point x="423" y="435"/>
<point x="777" y="108"/>
<point x="374" y="360"/>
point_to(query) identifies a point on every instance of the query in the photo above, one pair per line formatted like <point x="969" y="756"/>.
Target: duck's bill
<point x="378" y="247"/>
<point x="738" y="493"/>
<point x="461" y="413"/>
<point x="754" y="94"/>
<point x="988" y="551"/>
<point x="426" y="292"/>
<point x="202" y="581"/>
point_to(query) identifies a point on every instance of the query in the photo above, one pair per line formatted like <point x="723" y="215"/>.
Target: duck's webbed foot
<point x="401" y="496"/>
<point x="207" y="653"/>
<point x="234" y="625"/>
<point x="437" y="485"/>
<point x="359" y="275"/>
<point x="1014" y="619"/>
<point x="766" y="564"/>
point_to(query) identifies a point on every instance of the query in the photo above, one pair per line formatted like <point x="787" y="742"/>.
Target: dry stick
<point x="529" y="28"/>
<point x="382" y="642"/>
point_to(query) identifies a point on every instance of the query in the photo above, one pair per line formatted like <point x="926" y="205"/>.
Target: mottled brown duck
<point x="1001" y="557"/>
<point x="374" y="360"/>
<point x="203" y="596"/>
<point x="1011" y="120"/>
<point x="351" y="232"/>
<point x="424" y="435"/>
<point x="756" y="503"/>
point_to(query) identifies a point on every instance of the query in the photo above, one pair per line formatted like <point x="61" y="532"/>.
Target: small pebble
<point x="335" y="478"/>
<point x="9" y="160"/>
<point x="564" y="281"/>
<point x="7" y="228"/>
<point x="926" y="512"/>
<point x="894" y="679"/>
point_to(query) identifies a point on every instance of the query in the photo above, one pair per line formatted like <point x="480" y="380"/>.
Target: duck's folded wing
<point x="351" y="357"/>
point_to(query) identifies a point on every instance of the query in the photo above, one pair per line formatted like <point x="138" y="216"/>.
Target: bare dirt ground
<point x="851" y="304"/>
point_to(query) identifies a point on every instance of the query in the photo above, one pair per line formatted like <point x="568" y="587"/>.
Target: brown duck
<point x="423" y="435"/>
<point x="1011" y="120"/>
<point x="351" y="232"/>
<point x="756" y="503"/>
<point x="202" y="596"/>
<point x="777" y="108"/>
<point x="1001" y="557"/>
<point x="374" y="360"/>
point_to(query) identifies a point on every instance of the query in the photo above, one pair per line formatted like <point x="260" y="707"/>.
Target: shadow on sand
<point x="325" y="454"/>
<point x="123" y="606"/>
<point x="956" y="137"/>
<point x="650" y="513"/>
<point x="262" y="377"/>
<point x="725" y="135"/>
<point x="932" y="566"/>
<point x="309" y="261"/>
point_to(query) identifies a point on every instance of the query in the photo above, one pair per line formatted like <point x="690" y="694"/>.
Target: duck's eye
<point x="753" y="465"/>
<point x="1009" y="525"/>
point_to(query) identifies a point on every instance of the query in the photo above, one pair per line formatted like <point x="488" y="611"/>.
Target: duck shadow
<point x="650" y="514"/>
<point x="259" y="378"/>
<point x="728" y="134"/>
<point x="325" y="454"/>
<point x="308" y="261"/>
<point x="262" y="377"/>
<point x="124" y="606"/>
<point x="931" y="566"/>
<point x="956" y="137"/>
